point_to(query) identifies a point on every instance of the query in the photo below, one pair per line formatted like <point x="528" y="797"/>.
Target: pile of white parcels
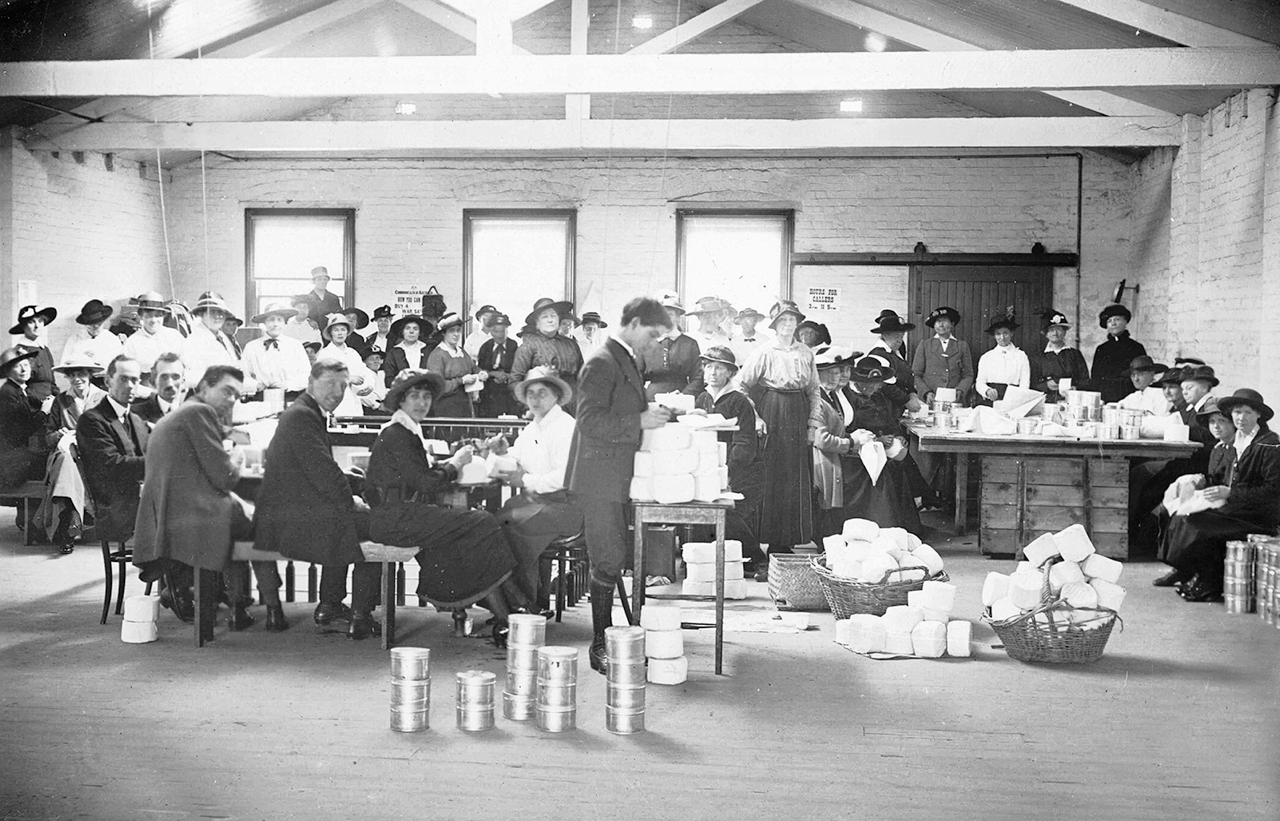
<point x="1078" y="576"/>
<point x="865" y="552"/>
<point x="700" y="569"/>
<point x="664" y="644"/>
<point x="140" y="614"/>
<point x="922" y="627"/>
<point x="677" y="464"/>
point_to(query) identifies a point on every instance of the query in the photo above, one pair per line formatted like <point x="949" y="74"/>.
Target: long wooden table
<point x="1040" y="484"/>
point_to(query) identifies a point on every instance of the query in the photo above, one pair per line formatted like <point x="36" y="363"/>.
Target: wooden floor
<point x="1179" y="720"/>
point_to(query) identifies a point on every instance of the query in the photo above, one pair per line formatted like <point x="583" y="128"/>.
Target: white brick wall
<point x="81" y="231"/>
<point x="408" y="225"/>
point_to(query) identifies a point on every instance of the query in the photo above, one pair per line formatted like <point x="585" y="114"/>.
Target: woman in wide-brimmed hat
<point x="462" y="379"/>
<point x="30" y="326"/>
<point x="711" y="312"/>
<point x="780" y="376"/>
<point x="337" y="330"/>
<point x="813" y="333"/>
<point x="1003" y="365"/>
<point x="1246" y="483"/>
<point x="671" y="366"/>
<point x="497" y="356"/>
<point x="943" y="360"/>
<point x="1146" y="396"/>
<point x="832" y="444"/>
<point x="411" y="348"/>
<point x="22" y="417"/>
<point x="1115" y="353"/>
<point x="381" y="337"/>
<point x="208" y="343"/>
<point x="543" y="346"/>
<point x="892" y="330"/>
<point x="590" y="334"/>
<point x="92" y="339"/>
<point x="748" y="336"/>
<point x="152" y="337"/>
<point x="744" y="448"/>
<point x="465" y="556"/>
<point x="1058" y="360"/>
<point x="66" y="495"/>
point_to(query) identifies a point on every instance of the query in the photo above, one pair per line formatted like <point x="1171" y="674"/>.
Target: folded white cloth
<point x="873" y="459"/>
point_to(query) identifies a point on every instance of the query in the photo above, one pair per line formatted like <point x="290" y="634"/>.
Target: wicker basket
<point x="1037" y="636"/>
<point x="848" y="597"/>
<point x="793" y="585"/>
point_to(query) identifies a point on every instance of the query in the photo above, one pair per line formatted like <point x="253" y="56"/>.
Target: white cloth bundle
<point x="929" y="639"/>
<point x="706" y="551"/>
<point x="1153" y="427"/>
<point x="900" y="537"/>
<point x="932" y="561"/>
<point x="673" y="490"/>
<point x="959" y="638"/>
<point x="834" y="544"/>
<point x="1024" y="590"/>
<point x="885" y="543"/>
<point x="675" y="462"/>
<point x="475" y="472"/>
<point x="873" y="459"/>
<point x="939" y="595"/>
<point x="706" y="571"/>
<point x="945" y="394"/>
<point x="663" y="644"/>
<point x="1110" y="594"/>
<point x="866" y="633"/>
<point x="736" y="589"/>
<point x="1098" y="566"/>
<point x="1004" y="608"/>
<point x="860" y="530"/>
<point x="1080" y="594"/>
<point x="503" y="464"/>
<point x="1063" y="574"/>
<point x="989" y="421"/>
<point x="141" y="608"/>
<point x="642" y="488"/>
<point x="1198" y="504"/>
<point x="876" y="565"/>
<point x="996" y="587"/>
<point x="138" y="632"/>
<point x="722" y="451"/>
<point x="902" y="618"/>
<point x="913" y="569"/>
<point x="675" y="401"/>
<point x="1176" y="432"/>
<point x="665" y="438"/>
<point x="1040" y="550"/>
<point x="643" y="464"/>
<point x="668" y="671"/>
<point x="722" y="476"/>
<point x="1074" y="543"/>
<point x="898" y="644"/>
<point x="706" y="486"/>
<point x="660" y="617"/>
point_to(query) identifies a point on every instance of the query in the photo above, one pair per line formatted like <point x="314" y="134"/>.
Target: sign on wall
<point x="408" y="301"/>
<point x="821" y="300"/>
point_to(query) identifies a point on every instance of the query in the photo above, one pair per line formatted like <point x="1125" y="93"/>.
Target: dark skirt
<point x="464" y="557"/>
<point x="888" y="503"/>
<point x="1198" y="543"/>
<point x="786" y="512"/>
<point x="454" y="405"/>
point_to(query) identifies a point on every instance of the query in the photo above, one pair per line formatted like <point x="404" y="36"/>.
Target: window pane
<point x="738" y="258"/>
<point x="286" y="248"/>
<point x="514" y="261"/>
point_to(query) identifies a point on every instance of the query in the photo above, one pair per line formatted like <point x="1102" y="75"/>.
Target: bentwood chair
<point x="121" y="555"/>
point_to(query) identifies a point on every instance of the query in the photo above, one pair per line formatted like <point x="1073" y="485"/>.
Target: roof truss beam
<point x="710" y="19"/>
<point x="1164" y="23"/>
<point x="1091" y="69"/>
<point x="586" y="136"/>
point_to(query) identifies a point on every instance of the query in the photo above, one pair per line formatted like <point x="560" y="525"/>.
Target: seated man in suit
<point x="168" y="376"/>
<point x="542" y="511"/>
<point x="112" y="441"/>
<point x="306" y="509"/>
<point x="187" y="516"/>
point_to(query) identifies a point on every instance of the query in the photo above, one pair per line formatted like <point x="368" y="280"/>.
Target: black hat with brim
<point x="1144" y="363"/>
<point x="938" y="313"/>
<point x="872" y="369"/>
<point x="29" y="312"/>
<point x="93" y="312"/>
<point x="1201" y="373"/>
<point x="424" y="326"/>
<point x="362" y="318"/>
<point x="410" y="378"/>
<point x="824" y="334"/>
<point x="890" y="323"/>
<point x="1113" y="310"/>
<point x="997" y="324"/>
<point x="15" y="354"/>
<point x="1250" y="398"/>
<point x="721" y="354"/>
<point x="562" y="308"/>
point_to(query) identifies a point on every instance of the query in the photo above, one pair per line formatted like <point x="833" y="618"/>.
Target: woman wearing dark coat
<point x="1113" y="356"/>
<point x="22" y="446"/>
<point x="496" y="356"/>
<point x="465" y="556"/>
<point x="30" y="324"/>
<point x="306" y="511"/>
<point x="1057" y="361"/>
<point x="411" y="349"/>
<point x="745" y="456"/>
<point x="1246" y="476"/>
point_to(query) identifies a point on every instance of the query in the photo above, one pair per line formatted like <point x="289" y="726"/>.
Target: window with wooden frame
<point x="741" y="256"/>
<point x="511" y="257"/>
<point x="282" y="245"/>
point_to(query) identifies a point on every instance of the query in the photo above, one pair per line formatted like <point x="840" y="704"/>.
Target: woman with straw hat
<point x="465" y="556"/>
<point x="208" y="344"/>
<point x="545" y="347"/>
<point x="782" y="379"/>
<point x="360" y="381"/>
<point x="152" y="337"/>
<point x="462" y="379"/>
<point x="1058" y="360"/>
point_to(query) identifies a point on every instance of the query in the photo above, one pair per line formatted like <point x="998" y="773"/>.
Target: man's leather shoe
<point x="182" y="608"/>
<point x="363" y="626"/>
<point x="240" y="619"/>
<point x="66" y="548"/>
<point x="328" y="612"/>
<point x="1203" y="593"/>
<point x="1169" y="579"/>
<point x="276" y="622"/>
<point x="596" y="655"/>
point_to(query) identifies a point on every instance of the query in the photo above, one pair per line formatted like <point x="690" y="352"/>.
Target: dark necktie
<point x="271" y="343"/>
<point x="222" y="340"/>
<point x="752" y="339"/>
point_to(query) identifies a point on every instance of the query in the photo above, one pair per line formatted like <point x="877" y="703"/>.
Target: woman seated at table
<point x="62" y="511"/>
<point x="457" y="367"/>
<point x="1245" y="477"/>
<point x="22" y="416"/>
<point x="465" y="556"/>
<point x="890" y="501"/>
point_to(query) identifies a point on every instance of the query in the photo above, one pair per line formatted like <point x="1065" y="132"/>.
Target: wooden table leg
<point x="637" y="572"/>
<point x="389" y="573"/>
<point x="719" y="592"/>
<point x="962" y="493"/>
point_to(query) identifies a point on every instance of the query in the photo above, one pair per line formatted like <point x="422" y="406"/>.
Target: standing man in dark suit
<point x="112" y="441"/>
<point x="188" y="516"/>
<point x="306" y="510"/>
<point x="169" y="376"/>
<point x="612" y="410"/>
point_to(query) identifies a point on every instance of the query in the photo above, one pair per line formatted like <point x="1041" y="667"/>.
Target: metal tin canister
<point x="625" y="696"/>
<point x="517" y="708"/>
<point x="411" y="720"/>
<point x="624" y="722"/>
<point x="526" y="630"/>
<point x="1111" y="415"/>
<point x="555" y="706"/>
<point x="411" y="663"/>
<point x="475" y="700"/>
<point x="624" y="645"/>
<point x="558" y="664"/>
<point x="1130" y="432"/>
<point x="1026" y="426"/>
<point x="627" y="674"/>
<point x="555" y="719"/>
<point x="410" y="692"/>
<point x="941" y="406"/>
<point x="520" y="683"/>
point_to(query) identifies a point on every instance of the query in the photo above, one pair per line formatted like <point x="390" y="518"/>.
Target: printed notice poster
<point x="408" y="302"/>
<point x="822" y="299"/>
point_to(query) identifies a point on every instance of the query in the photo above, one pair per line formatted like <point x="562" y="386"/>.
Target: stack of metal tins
<point x="625" y="680"/>
<point x="475" y="700"/>
<point x="556" y="704"/>
<point x="1238" y="575"/>
<point x="410" y="689"/>
<point x="1266" y="566"/>
<point x="528" y="632"/>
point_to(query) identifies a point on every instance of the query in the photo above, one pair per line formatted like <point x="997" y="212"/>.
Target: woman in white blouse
<point x="1003" y="365"/>
<point x="337" y="329"/>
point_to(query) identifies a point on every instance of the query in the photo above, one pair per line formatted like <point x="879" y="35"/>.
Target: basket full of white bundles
<point x="1061" y="602"/>
<point x="678" y="464"/>
<point x="868" y="569"/>
<point x="922" y="627"/>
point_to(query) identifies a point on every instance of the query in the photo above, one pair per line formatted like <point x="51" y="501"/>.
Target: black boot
<point x="601" y="619"/>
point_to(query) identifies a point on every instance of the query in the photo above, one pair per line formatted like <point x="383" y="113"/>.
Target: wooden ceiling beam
<point x="912" y="34"/>
<point x="712" y="18"/>
<point x="586" y="136"/>
<point x="1164" y="23"/>
<point x="696" y="74"/>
